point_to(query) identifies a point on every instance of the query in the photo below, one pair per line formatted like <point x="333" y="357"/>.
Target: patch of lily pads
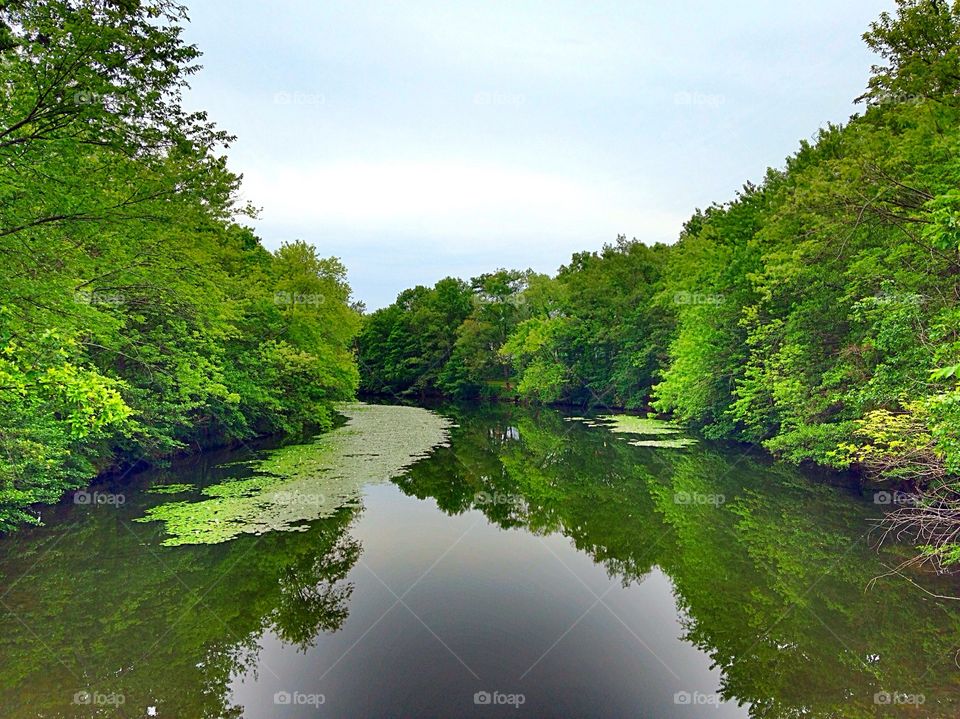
<point x="632" y="424"/>
<point x="294" y="485"/>
<point x="650" y="432"/>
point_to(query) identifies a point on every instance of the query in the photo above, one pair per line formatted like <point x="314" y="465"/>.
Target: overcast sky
<point x="416" y="140"/>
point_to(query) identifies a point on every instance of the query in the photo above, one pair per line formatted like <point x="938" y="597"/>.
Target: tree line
<point x="139" y="316"/>
<point x="817" y="313"/>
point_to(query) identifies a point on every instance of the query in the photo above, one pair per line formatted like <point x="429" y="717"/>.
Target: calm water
<point x="535" y="567"/>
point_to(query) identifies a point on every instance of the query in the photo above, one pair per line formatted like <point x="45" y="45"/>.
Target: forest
<point x="816" y="313"/>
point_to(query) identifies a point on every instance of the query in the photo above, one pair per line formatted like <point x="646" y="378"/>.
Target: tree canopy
<point x="138" y="315"/>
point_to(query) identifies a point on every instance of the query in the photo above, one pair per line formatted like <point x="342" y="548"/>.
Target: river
<point x="526" y="563"/>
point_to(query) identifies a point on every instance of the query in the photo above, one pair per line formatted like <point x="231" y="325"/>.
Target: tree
<point x="137" y="316"/>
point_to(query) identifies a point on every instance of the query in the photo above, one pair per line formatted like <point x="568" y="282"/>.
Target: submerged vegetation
<point x="816" y="314"/>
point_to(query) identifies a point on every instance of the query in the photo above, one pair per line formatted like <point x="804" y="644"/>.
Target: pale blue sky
<point x="417" y="140"/>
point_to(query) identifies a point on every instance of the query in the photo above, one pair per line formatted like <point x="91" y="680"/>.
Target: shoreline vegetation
<point x="816" y="315"/>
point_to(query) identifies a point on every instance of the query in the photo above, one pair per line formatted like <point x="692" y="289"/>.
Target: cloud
<point x="474" y="204"/>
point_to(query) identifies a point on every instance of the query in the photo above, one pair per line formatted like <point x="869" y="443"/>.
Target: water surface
<point x="535" y="566"/>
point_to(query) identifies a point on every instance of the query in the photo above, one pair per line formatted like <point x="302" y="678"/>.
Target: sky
<point x="418" y="140"/>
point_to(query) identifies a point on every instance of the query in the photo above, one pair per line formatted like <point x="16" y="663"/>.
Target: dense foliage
<point x="816" y="313"/>
<point x="588" y="335"/>
<point x="137" y="317"/>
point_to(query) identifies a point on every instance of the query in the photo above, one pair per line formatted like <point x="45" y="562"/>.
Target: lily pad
<point x="631" y="424"/>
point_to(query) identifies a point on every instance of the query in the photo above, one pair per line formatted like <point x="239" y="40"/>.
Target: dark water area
<point x="536" y="566"/>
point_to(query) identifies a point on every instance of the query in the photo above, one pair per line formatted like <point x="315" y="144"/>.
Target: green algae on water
<point x="631" y="424"/>
<point x="297" y="484"/>
<point x="646" y="431"/>
<point x="170" y="488"/>
<point x="670" y="443"/>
